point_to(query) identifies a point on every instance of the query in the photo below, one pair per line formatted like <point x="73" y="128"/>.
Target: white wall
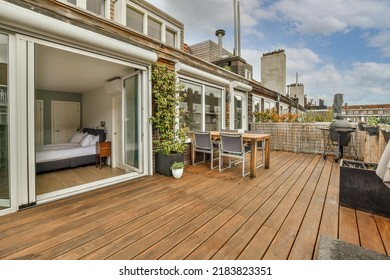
<point x="96" y="107"/>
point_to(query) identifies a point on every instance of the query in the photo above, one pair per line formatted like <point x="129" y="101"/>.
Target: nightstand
<point x="103" y="150"/>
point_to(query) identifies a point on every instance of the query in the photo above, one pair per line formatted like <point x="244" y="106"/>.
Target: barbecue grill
<point x="340" y="133"/>
<point x="340" y="130"/>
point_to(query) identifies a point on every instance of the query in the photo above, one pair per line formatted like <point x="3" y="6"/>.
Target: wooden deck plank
<point x="329" y="222"/>
<point x="209" y="240"/>
<point x="267" y="232"/>
<point x="281" y="245"/>
<point x="368" y="232"/>
<point x="57" y="226"/>
<point x="101" y="223"/>
<point x="306" y="239"/>
<point x="383" y="224"/>
<point x="191" y="224"/>
<point x="348" y="229"/>
<point x="205" y="215"/>
<point x="187" y="223"/>
<point x="234" y="246"/>
<point x="153" y="213"/>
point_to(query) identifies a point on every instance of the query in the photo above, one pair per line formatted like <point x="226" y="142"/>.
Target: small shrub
<point x="177" y="165"/>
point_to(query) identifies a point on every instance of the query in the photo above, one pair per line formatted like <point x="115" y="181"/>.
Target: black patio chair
<point x="232" y="146"/>
<point x="203" y="143"/>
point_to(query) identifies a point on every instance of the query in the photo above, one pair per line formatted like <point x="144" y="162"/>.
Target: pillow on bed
<point x="86" y="141"/>
<point x="95" y="139"/>
<point x="77" y="137"/>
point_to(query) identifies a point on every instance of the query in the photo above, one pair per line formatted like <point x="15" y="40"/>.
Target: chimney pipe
<point x="237" y="27"/>
<point x="220" y="33"/>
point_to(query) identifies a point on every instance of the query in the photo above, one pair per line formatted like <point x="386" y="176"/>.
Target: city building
<point x="361" y="113"/>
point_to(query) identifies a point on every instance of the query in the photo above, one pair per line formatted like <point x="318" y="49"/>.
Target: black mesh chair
<point x="203" y="143"/>
<point x="232" y="146"/>
<point x="260" y="146"/>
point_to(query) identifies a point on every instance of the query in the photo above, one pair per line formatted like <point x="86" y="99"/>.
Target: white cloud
<point x="327" y="17"/>
<point x="362" y="82"/>
<point x="381" y="40"/>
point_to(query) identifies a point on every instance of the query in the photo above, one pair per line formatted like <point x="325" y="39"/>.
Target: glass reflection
<point x="4" y="129"/>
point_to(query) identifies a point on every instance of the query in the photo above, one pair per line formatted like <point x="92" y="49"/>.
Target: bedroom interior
<point x="70" y="78"/>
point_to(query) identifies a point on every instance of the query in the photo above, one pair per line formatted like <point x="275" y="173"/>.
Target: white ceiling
<point x="60" y="70"/>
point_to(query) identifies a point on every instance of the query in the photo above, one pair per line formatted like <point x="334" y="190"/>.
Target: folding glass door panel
<point x="4" y="125"/>
<point x="131" y="137"/>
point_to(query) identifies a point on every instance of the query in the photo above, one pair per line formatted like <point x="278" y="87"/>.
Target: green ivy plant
<point x="171" y="132"/>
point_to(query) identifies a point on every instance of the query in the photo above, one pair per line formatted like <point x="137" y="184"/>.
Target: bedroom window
<point x="4" y="128"/>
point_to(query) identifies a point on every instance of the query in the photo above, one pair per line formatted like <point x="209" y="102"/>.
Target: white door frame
<point x="39" y="103"/>
<point x="129" y="168"/>
<point x="244" y="120"/>
<point x="26" y="160"/>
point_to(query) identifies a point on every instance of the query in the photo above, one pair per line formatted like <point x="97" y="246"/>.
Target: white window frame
<point x="83" y="4"/>
<point x="203" y="84"/>
<point x="270" y="101"/>
<point x="162" y="29"/>
<point x="120" y="7"/>
<point x="248" y="74"/>
<point x="283" y="108"/>
<point x="255" y="99"/>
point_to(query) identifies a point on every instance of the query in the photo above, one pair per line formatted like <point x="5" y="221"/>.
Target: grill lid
<point x="340" y="124"/>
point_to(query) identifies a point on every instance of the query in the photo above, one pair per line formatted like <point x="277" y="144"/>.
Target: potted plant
<point x="386" y="135"/>
<point x="372" y="126"/>
<point x="177" y="169"/>
<point x="170" y="132"/>
<point x="361" y="126"/>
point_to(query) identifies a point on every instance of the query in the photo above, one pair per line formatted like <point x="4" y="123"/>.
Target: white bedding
<point x="53" y="152"/>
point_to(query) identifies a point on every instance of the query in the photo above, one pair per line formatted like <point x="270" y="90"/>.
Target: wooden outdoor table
<point x="253" y="138"/>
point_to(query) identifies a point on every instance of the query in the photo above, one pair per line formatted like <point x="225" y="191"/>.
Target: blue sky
<point x="335" y="46"/>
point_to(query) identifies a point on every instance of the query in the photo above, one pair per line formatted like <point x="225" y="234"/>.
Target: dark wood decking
<point x="280" y="214"/>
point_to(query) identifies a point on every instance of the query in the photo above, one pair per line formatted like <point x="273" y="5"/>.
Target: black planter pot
<point x="372" y="130"/>
<point x="362" y="189"/>
<point x="361" y="126"/>
<point x="164" y="162"/>
<point x="386" y="134"/>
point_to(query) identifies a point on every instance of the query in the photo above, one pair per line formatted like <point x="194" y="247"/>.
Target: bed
<point x="81" y="150"/>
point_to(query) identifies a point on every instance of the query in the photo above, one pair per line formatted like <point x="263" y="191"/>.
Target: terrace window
<point x="269" y="104"/>
<point x="202" y="106"/>
<point x="256" y="106"/>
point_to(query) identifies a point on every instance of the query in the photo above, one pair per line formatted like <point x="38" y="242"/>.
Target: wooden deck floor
<point x="280" y="214"/>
